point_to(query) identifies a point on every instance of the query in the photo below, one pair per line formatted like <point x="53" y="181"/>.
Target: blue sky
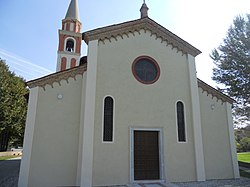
<point x="29" y="28"/>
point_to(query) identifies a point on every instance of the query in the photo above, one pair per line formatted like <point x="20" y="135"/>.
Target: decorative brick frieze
<point x="215" y="93"/>
<point x="145" y="24"/>
<point x="57" y="77"/>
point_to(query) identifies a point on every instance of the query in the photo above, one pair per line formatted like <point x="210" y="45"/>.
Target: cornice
<point x="57" y="77"/>
<point x="214" y="92"/>
<point x="71" y="20"/>
<point x="69" y="53"/>
<point x="69" y="33"/>
<point x="145" y="24"/>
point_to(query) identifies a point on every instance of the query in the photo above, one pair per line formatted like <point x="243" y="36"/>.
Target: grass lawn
<point x="7" y="157"/>
<point x="244" y="157"/>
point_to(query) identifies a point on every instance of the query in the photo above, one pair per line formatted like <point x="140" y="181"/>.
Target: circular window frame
<point x="152" y="61"/>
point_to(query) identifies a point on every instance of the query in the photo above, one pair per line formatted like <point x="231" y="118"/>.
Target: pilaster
<point x="89" y="116"/>
<point x="28" y="138"/>
<point x="232" y="141"/>
<point x="198" y="145"/>
<point x="83" y="98"/>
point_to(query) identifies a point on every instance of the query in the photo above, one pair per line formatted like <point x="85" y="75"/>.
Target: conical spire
<point x="144" y="10"/>
<point x="73" y="12"/>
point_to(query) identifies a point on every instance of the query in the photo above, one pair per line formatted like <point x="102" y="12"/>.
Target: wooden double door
<point x="146" y="155"/>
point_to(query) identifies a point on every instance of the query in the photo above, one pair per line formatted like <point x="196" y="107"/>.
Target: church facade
<point x="132" y="111"/>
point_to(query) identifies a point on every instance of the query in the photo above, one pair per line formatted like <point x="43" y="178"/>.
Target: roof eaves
<point x="214" y="92"/>
<point x="57" y="77"/>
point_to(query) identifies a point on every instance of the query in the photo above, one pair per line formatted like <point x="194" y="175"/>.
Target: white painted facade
<point x="64" y="135"/>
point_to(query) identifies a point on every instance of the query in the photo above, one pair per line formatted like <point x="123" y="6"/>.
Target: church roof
<point x="73" y="12"/>
<point x="214" y="92"/>
<point x="136" y="26"/>
<point x="57" y="77"/>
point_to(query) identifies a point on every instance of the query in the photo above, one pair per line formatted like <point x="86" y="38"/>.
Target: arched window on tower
<point x="63" y="63"/>
<point x="70" y="45"/>
<point x="73" y="63"/>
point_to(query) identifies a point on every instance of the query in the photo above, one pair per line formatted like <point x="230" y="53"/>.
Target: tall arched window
<point x="108" y="119"/>
<point x="70" y="45"/>
<point x="181" y="122"/>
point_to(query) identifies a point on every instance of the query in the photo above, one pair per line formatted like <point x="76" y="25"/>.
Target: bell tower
<point x="70" y="39"/>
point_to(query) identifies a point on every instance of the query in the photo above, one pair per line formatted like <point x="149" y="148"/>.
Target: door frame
<point x="161" y="160"/>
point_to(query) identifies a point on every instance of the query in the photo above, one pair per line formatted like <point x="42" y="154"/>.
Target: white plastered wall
<point x="216" y="138"/>
<point x="54" y="152"/>
<point x="141" y="106"/>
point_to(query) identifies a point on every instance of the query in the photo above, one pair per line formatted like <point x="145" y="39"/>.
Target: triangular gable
<point x="136" y="26"/>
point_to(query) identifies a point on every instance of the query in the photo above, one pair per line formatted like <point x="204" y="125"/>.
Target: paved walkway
<point x="9" y="172"/>
<point x="242" y="182"/>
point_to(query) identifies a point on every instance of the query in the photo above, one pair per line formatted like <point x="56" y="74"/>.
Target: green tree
<point x="245" y="144"/>
<point x="13" y="107"/>
<point x="238" y="147"/>
<point x="232" y="60"/>
<point x="242" y="137"/>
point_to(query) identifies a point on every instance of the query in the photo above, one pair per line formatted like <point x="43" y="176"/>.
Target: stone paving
<point x="9" y="172"/>
<point x="218" y="183"/>
<point x="242" y="182"/>
<point x="11" y="180"/>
